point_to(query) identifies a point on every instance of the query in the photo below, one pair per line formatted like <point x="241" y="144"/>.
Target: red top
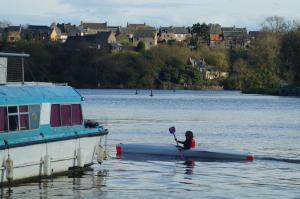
<point x="193" y="143"/>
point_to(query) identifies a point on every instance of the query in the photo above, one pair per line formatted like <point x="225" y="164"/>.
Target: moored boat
<point x="171" y="150"/>
<point x="42" y="132"/>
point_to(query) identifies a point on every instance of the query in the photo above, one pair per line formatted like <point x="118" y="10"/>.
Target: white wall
<point x="3" y="70"/>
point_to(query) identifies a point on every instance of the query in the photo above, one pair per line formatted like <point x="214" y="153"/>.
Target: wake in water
<point x="288" y="160"/>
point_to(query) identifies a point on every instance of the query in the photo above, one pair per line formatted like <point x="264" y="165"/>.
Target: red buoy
<point x="118" y="149"/>
<point x="249" y="157"/>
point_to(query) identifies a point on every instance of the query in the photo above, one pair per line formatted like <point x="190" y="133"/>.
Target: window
<point x="76" y="114"/>
<point x="65" y="115"/>
<point x="15" y="118"/>
<point x="55" y="115"/>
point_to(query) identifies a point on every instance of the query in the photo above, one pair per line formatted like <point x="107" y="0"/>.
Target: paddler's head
<point x="189" y="135"/>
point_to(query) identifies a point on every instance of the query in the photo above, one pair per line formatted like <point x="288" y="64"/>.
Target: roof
<point x="144" y="33"/>
<point x="136" y="26"/>
<point x="38" y="28"/>
<point x="175" y="30"/>
<point x="253" y="33"/>
<point x="101" y="38"/>
<point x="234" y="32"/>
<point x="70" y="30"/>
<point x="96" y="26"/>
<point x="26" y="94"/>
<point x="13" y="29"/>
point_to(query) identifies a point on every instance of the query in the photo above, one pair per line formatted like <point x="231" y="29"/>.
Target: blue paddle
<point x="172" y="130"/>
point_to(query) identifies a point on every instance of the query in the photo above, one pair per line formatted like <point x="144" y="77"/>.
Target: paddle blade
<point x="172" y="130"/>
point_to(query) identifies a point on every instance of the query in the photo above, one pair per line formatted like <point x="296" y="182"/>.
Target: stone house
<point x="87" y="28"/>
<point x="234" y="37"/>
<point x="148" y="36"/>
<point x="101" y="41"/>
<point x="172" y="33"/>
<point x="139" y="32"/>
<point x="13" y="33"/>
<point x="60" y="32"/>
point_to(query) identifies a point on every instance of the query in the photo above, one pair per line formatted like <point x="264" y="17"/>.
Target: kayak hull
<point x="173" y="151"/>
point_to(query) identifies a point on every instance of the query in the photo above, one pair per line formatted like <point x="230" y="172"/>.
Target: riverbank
<point x="283" y="91"/>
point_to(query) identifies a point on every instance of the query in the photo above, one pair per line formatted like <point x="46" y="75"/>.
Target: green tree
<point x="140" y="46"/>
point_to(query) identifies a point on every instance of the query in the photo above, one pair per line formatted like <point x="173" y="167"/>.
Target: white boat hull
<point x="28" y="161"/>
<point x="172" y="150"/>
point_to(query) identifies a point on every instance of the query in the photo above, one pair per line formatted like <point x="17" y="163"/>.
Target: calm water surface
<point x="267" y="126"/>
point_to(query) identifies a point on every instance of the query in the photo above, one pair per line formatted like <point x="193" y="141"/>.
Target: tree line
<point x="270" y="61"/>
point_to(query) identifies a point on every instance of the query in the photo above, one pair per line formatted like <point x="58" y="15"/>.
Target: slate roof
<point x="234" y="32"/>
<point x="95" y="26"/>
<point x="253" y="34"/>
<point x="136" y="26"/>
<point x="144" y="33"/>
<point x="37" y="30"/>
<point x="101" y="37"/>
<point x="175" y="30"/>
<point x="70" y="30"/>
<point x="13" y="29"/>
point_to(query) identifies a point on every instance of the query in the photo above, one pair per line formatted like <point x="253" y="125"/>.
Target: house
<point x="36" y="32"/>
<point x="234" y="37"/>
<point x="208" y="72"/>
<point x="101" y="40"/>
<point x="14" y="33"/>
<point x="87" y="28"/>
<point x="215" y="35"/>
<point x="60" y="32"/>
<point x="55" y="34"/>
<point x="172" y="33"/>
<point x="69" y="29"/>
<point x="148" y="36"/>
<point x="136" y="33"/>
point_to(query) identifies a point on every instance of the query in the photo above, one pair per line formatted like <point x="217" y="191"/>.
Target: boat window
<point x="14" y="118"/>
<point x="65" y="115"/>
<point x="3" y="119"/>
<point x="34" y="116"/>
<point x="13" y="122"/>
<point x="12" y="109"/>
<point x="55" y="115"/>
<point x="76" y="114"/>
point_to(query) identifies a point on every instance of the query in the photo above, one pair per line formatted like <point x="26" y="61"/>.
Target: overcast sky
<point x="242" y="13"/>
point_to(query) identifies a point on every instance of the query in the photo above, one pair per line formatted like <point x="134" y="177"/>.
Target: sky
<point x="241" y="13"/>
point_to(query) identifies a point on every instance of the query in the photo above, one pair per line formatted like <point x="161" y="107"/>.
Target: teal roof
<point x="28" y="94"/>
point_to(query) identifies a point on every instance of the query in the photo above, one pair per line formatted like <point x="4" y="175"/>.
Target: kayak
<point x="173" y="151"/>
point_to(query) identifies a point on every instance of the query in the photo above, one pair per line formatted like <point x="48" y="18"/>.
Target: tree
<point x="276" y="24"/>
<point x="201" y="31"/>
<point x="141" y="46"/>
<point x="290" y="59"/>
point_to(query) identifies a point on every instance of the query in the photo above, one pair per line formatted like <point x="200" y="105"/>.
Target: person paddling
<point x="189" y="141"/>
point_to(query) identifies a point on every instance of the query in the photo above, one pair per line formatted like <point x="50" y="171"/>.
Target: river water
<point x="267" y="126"/>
